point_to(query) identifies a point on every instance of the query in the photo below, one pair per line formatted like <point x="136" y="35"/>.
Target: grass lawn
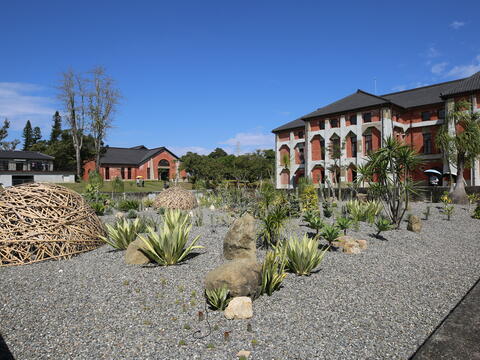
<point x="130" y="186"/>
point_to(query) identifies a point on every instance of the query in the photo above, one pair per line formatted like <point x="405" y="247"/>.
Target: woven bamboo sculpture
<point x="45" y="221"/>
<point x="176" y="198"/>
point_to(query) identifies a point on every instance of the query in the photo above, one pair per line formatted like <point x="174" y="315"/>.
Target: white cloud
<point x="250" y="139"/>
<point x="182" y="150"/>
<point x="465" y="70"/>
<point x="457" y="25"/>
<point x="432" y="52"/>
<point x="439" y="68"/>
<point x="20" y="102"/>
<point x="399" y="88"/>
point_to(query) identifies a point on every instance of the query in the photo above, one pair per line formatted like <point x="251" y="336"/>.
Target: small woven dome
<point x="176" y="198"/>
<point x="45" y="221"/>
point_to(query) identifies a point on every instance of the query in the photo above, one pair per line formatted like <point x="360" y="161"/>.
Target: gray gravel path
<point x="381" y="304"/>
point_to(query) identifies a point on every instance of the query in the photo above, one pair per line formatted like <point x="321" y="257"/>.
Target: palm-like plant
<point x="382" y="224"/>
<point x="344" y="224"/>
<point x="314" y="221"/>
<point x="169" y="246"/>
<point x="388" y="173"/>
<point x="330" y="233"/>
<point x="303" y="255"/>
<point x="272" y="224"/>
<point x="122" y="233"/>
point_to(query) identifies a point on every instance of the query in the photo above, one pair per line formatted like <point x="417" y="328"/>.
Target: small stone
<point x="414" y="224"/>
<point x="352" y="250"/>
<point x="239" y="308"/>
<point x="244" y="353"/>
<point x="134" y="255"/>
<point x="362" y="244"/>
<point x="119" y="215"/>
<point x="212" y="207"/>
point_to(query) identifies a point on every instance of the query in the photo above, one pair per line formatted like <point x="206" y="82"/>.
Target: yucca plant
<point x="218" y="298"/>
<point x="273" y="269"/>
<point x="122" y="233"/>
<point x="330" y="233"/>
<point x="169" y="246"/>
<point x="364" y="210"/>
<point x="303" y="255"/>
<point x="344" y="224"/>
<point x="314" y="221"/>
<point x="382" y="224"/>
<point x="272" y="224"/>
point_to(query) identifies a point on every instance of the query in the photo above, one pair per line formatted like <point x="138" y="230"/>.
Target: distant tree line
<point x="218" y="166"/>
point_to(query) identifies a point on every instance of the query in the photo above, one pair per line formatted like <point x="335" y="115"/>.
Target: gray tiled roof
<point x="357" y="100"/>
<point x="291" y="125"/>
<point x="469" y="84"/>
<point x="130" y="156"/>
<point x="28" y="155"/>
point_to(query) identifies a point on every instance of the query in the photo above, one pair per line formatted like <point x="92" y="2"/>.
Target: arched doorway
<point x="164" y="170"/>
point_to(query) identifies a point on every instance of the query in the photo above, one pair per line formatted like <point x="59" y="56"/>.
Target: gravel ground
<point x="380" y="304"/>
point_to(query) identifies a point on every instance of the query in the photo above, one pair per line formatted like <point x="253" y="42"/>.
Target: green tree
<point x="218" y="153"/>
<point x="459" y="139"/>
<point x="56" y="127"/>
<point x="36" y="135"/>
<point x="388" y="173"/>
<point x="7" y="145"/>
<point x="27" y="136"/>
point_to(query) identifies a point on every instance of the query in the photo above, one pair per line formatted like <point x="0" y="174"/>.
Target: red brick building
<point x="128" y="163"/>
<point x="359" y="123"/>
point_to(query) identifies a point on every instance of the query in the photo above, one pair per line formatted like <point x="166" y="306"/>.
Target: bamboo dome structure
<point x="175" y="198"/>
<point x="40" y="221"/>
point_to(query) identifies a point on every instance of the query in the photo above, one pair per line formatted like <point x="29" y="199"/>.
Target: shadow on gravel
<point x="188" y="257"/>
<point x="5" y="353"/>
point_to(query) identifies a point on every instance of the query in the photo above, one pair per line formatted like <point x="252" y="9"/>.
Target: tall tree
<point x="72" y="94"/>
<point x="103" y="99"/>
<point x="36" y="135"/>
<point x="7" y="145"/>
<point x="459" y="139"/>
<point x="27" y="136"/>
<point x="56" y="127"/>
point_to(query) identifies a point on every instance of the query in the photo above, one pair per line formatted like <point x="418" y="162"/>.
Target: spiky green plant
<point x="327" y="209"/>
<point x="382" y="224"/>
<point x="272" y="224"/>
<point x="169" y="246"/>
<point x="273" y="269"/>
<point x="344" y="224"/>
<point x="449" y="210"/>
<point x="122" y="233"/>
<point x="303" y="255"/>
<point x="330" y="233"/>
<point x="364" y="210"/>
<point x="476" y="212"/>
<point x="218" y="298"/>
<point x="314" y="221"/>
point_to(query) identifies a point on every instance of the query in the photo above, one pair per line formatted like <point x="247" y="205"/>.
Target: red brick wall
<point x="299" y="134"/>
<point x="316" y="148"/>
<point x="284" y="150"/>
<point x="285" y="177"/>
<point x="415" y="115"/>
<point x="317" y="175"/>
<point x="314" y="125"/>
<point x="284" y="136"/>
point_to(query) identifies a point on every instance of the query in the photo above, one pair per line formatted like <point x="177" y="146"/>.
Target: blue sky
<point x="200" y="74"/>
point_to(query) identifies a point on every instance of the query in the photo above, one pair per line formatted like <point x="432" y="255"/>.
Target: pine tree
<point x="36" y="135"/>
<point x="56" y="127"/>
<point x="27" y="136"/>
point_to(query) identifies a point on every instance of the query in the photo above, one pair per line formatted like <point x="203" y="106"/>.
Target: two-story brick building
<point x="128" y="163"/>
<point x="358" y="123"/>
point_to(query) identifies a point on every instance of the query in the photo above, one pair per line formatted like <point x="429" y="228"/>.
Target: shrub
<point x="273" y="270"/>
<point x="169" y="246"/>
<point x="364" y="210"/>
<point x="382" y="224"/>
<point x="125" y="205"/>
<point x="218" y="298"/>
<point x="309" y="198"/>
<point x="314" y="221"/>
<point x="449" y="210"/>
<point x="303" y="255"/>
<point x="118" y="185"/>
<point x="98" y="207"/>
<point x="476" y="212"/>
<point x="344" y="224"/>
<point x="148" y="202"/>
<point x="122" y="233"/>
<point x="330" y="233"/>
<point x="327" y="209"/>
<point x="131" y="214"/>
<point x="272" y="224"/>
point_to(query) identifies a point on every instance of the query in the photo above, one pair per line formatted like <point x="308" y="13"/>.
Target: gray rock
<point x="239" y="308"/>
<point x="240" y="239"/>
<point x="134" y="255"/>
<point x="242" y="277"/>
<point x="414" y="224"/>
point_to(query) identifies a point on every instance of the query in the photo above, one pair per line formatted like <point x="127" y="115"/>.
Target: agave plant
<point x="364" y="210"/>
<point x="303" y="255"/>
<point x="218" y="298"/>
<point x="273" y="270"/>
<point x="344" y="224"/>
<point x="169" y="246"/>
<point x="272" y="224"/>
<point x="314" y="221"/>
<point x="122" y="233"/>
<point x="330" y="233"/>
<point x="382" y="224"/>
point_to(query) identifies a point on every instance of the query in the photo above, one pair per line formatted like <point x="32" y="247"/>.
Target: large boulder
<point x="239" y="243"/>
<point x="242" y="277"/>
<point x="134" y="255"/>
<point x="239" y="308"/>
<point x="414" y="224"/>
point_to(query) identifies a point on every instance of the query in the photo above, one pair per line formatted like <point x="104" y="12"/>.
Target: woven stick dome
<point x="45" y="221"/>
<point x="176" y="198"/>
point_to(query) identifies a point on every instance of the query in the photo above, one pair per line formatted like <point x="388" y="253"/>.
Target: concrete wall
<point x="6" y="179"/>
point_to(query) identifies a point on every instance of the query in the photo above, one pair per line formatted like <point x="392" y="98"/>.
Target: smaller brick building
<point x="128" y="163"/>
